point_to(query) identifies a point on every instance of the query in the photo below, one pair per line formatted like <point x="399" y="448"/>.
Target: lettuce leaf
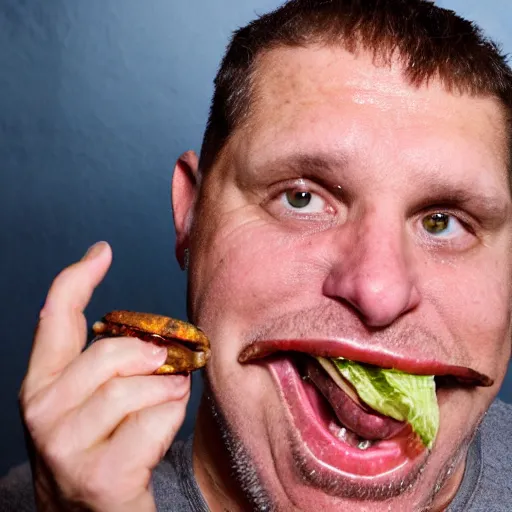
<point x="396" y="394"/>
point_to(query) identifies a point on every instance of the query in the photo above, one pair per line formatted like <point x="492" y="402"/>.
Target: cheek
<point x="250" y="271"/>
<point x="474" y="306"/>
<point x="247" y="274"/>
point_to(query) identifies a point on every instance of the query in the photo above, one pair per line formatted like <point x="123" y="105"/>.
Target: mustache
<point x="329" y="332"/>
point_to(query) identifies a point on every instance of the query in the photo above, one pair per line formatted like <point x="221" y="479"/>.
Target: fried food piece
<point x="188" y="348"/>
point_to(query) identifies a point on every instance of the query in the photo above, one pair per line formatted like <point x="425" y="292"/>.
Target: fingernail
<point x="158" y="352"/>
<point x="94" y="251"/>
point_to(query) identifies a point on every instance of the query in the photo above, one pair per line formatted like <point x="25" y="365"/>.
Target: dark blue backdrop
<point x="97" y="99"/>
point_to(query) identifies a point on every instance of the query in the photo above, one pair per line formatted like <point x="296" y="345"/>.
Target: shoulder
<point x="501" y="411"/>
<point x="173" y="482"/>
<point x="166" y="477"/>
<point x="497" y="434"/>
<point x="16" y="492"/>
<point x="497" y="431"/>
<point x="495" y="486"/>
<point x="174" y="486"/>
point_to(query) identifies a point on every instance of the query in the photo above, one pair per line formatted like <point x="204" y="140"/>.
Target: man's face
<point x="352" y="210"/>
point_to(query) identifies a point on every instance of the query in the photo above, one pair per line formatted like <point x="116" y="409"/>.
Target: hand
<point x="97" y="421"/>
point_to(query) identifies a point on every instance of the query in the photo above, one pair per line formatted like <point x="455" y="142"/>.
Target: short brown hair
<point x="431" y="42"/>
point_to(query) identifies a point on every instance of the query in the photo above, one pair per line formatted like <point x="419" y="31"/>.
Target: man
<point x="352" y="199"/>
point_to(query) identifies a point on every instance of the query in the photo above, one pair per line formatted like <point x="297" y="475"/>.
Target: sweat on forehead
<point x="319" y="101"/>
<point x="432" y="43"/>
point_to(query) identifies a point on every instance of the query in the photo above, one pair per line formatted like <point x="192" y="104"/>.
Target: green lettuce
<point x="396" y="394"/>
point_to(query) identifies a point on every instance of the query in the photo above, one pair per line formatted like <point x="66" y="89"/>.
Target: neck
<point x="212" y="466"/>
<point x="447" y="493"/>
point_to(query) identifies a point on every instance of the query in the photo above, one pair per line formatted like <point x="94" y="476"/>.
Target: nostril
<point x="380" y="305"/>
<point x="377" y="299"/>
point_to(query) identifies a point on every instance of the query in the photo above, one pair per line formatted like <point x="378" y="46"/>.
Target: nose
<point x="373" y="272"/>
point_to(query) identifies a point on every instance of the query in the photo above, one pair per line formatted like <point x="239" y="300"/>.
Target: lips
<point x="367" y="354"/>
<point x="336" y="435"/>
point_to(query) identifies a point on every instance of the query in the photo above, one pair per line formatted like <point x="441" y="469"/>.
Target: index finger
<point x="62" y="330"/>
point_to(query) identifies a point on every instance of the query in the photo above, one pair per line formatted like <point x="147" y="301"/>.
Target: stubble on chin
<point x="247" y="477"/>
<point x="243" y="469"/>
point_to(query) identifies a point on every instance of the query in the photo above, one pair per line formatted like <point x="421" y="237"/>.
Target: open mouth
<point x="338" y="433"/>
<point x="337" y="403"/>
<point x="334" y="429"/>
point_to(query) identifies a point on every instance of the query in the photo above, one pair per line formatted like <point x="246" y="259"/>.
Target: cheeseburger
<point x="188" y="348"/>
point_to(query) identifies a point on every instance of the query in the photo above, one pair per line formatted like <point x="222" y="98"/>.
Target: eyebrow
<point x="492" y="205"/>
<point x="314" y="164"/>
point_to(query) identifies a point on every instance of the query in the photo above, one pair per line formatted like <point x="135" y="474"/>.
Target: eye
<point x="303" y="201"/>
<point x="442" y="225"/>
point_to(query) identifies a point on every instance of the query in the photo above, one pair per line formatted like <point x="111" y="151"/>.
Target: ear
<point x="185" y="187"/>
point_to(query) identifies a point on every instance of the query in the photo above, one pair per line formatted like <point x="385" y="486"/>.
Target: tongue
<point x="365" y="423"/>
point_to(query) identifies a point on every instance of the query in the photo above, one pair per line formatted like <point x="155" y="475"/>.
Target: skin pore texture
<point x="315" y="224"/>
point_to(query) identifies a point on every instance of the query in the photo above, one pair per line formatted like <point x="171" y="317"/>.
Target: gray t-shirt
<point x="486" y="486"/>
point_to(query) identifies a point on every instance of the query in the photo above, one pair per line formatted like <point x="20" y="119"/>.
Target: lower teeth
<point x="364" y="445"/>
<point x="349" y="437"/>
<point x="342" y="434"/>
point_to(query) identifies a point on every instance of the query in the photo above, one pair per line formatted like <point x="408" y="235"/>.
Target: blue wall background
<point x="97" y="99"/>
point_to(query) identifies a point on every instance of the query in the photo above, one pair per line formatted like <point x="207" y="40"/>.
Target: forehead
<point x="324" y="99"/>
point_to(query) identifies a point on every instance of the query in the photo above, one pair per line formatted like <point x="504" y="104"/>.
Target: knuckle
<point x="64" y="276"/>
<point x="34" y="412"/>
<point x="163" y="448"/>
<point x="23" y="397"/>
<point x="140" y="424"/>
<point x="30" y="418"/>
<point x="106" y="347"/>
<point x="137" y="419"/>
<point x="68" y="272"/>
<point x="179" y="417"/>
<point x="55" y="452"/>
<point x="113" y="391"/>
